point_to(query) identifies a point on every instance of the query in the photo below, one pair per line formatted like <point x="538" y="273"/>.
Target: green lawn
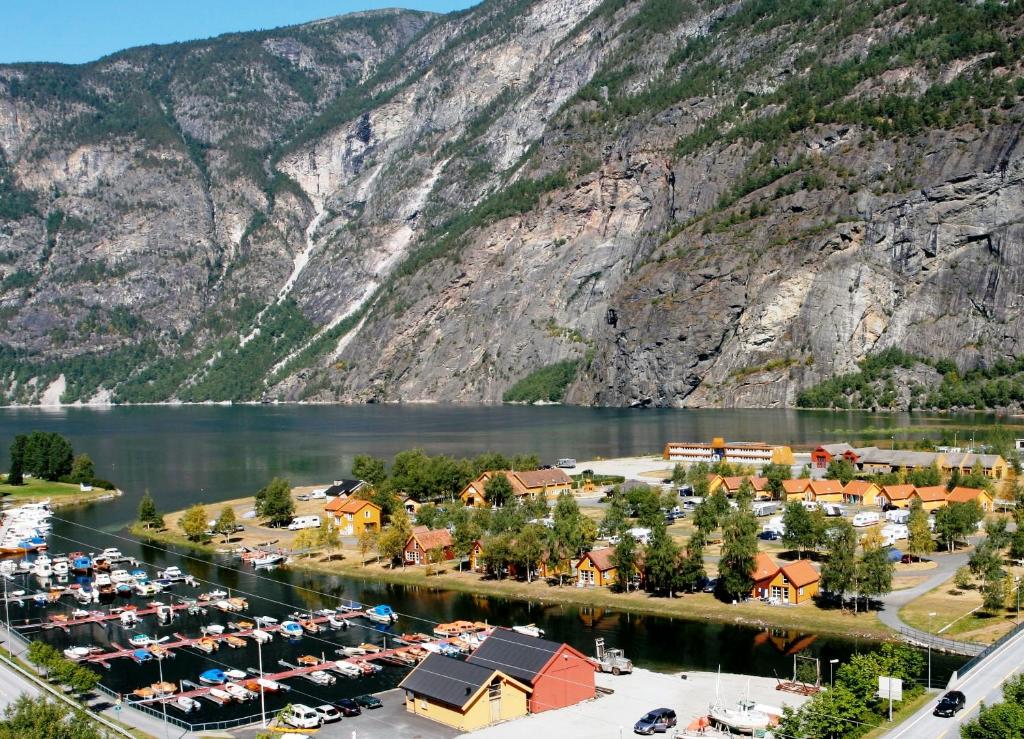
<point x="35" y="488"/>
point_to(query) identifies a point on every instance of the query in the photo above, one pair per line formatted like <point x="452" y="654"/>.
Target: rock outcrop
<point x="707" y="204"/>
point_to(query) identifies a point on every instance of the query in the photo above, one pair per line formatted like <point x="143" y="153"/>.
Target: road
<point x="983" y="683"/>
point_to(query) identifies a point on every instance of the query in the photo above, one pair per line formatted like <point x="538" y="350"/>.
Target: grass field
<point x="60" y="493"/>
<point x="958" y="615"/>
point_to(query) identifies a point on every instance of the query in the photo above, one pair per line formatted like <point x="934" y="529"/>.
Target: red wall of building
<point x="567" y="680"/>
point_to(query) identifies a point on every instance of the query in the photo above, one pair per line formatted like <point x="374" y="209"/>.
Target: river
<point x="209" y="453"/>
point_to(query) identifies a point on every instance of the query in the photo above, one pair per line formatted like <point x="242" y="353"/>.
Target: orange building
<point x="860" y="492"/>
<point x="423" y="540"/>
<point x="548" y="484"/>
<point x="932" y="497"/>
<point x="896" y="495"/>
<point x="795" y="583"/>
<point x="966" y="495"/>
<point x="795" y="489"/>
<point x="826" y="491"/>
<point x="764" y="572"/>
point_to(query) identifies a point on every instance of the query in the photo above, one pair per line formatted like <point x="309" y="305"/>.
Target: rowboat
<point x="453" y="629"/>
<point x="352" y="651"/>
<point x="221" y="695"/>
<point x="238" y="692"/>
<point x="164" y="688"/>
<point x="311" y="627"/>
<point x="370" y="648"/>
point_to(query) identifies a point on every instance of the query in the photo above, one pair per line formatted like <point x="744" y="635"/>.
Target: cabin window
<point x="494" y="690"/>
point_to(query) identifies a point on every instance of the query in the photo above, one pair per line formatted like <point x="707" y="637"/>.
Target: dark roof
<point x="517" y="655"/>
<point x="447" y="680"/>
<point x="345" y="487"/>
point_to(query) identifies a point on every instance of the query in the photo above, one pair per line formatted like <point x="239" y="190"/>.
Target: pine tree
<point x="624" y="558"/>
<point x="919" y="537"/>
<point x="691" y="568"/>
<point x="661" y="561"/>
<point x="874" y="573"/>
<point x="16" y="474"/>
<point x="838" y="574"/>
<point x="739" y="548"/>
<point x="148" y="514"/>
<point x="799" y="527"/>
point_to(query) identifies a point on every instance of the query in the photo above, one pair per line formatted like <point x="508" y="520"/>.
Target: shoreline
<point x="697" y="607"/>
<point x="67" y="501"/>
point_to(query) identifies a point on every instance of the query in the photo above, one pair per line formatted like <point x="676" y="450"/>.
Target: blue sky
<point x="75" y="31"/>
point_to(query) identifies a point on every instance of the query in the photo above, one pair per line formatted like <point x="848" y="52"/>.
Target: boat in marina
<point x="77" y="654"/>
<point x="347" y="668"/>
<point x="171" y="573"/>
<point x="529" y="630"/>
<point x="142" y="655"/>
<point x="164" y="688"/>
<point x="321" y="677"/>
<point x="239" y="692"/>
<point x="382" y="614"/>
<point x="291" y="629"/>
<point x="146" y="589"/>
<point x="264" y="620"/>
<point x="213" y="677"/>
<point x="123" y="589"/>
<point x="261" y="637"/>
<point x="206" y="645"/>
<point x="220" y="695"/>
<point x="236" y="674"/>
<point x="455" y="628"/>
<point x="306" y="660"/>
<point x="310" y="626"/>
<point x="81" y="565"/>
<point x="337" y="623"/>
<point x="352" y="651"/>
<point x="215" y="629"/>
<point x="128" y="618"/>
<point x="185" y="704"/>
<point x="269" y="560"/>
<point x="234" y="641"/>
<point x="371" y="648"/>
<point x="140" y="640"/>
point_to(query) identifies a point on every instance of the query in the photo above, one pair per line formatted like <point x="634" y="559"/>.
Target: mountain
<point x="618" y="202"/>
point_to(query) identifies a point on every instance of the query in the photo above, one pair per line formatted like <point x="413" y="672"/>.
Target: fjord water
<point x="209" y="453"/>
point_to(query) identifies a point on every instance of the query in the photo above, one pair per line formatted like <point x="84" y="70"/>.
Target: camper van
<point x="304" y="522"/>
<point x="833" y="509"/>
<point x="810" y="505"/>
<point x="896" y="531"/>
<point x="764" y="507"/>
<point x="866" y="518"/>
<point x="897" y="515"/>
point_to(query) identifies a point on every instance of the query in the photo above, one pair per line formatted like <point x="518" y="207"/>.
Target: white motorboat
<point x="264" y="620"/>
<point x="744" y="718"/>
<point x="118" y="576"/>
<point x="347" y="668"/>
<point x="269" y="560"/>
<point x="322" y="678"/>
<point x="186" y="704"/>
<point x="101" y="580"/>
<point x="79" y="613"/>
<point x="171" y="573"/>
<point x="261" y="636"/>
<point x="77" y="654"/>
<point x="529" y="630"/>
<point x="128" y="618"/>
<point x="238" y="692"/>
<point x="222" y="695"/>
<point x="236" y="674"/>
<point x="9" y="567"/>
<point x="215" y="629"/>
<point x="353" y="651"/>
<point x="338" y="623"/>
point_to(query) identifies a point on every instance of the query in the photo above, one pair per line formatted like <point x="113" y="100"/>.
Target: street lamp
<point x="930" y="616"/>
<point x="831" y="674"/>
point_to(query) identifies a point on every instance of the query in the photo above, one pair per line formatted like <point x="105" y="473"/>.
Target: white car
<point x="303" y="717"/>
<point x="328" y="713"/>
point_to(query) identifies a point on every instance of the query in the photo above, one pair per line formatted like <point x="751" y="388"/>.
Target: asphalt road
<point x="983" y="683"/>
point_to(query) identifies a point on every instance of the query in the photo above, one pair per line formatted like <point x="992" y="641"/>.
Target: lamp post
<point x="831" y="672"/>
<point x="930" y="615"/>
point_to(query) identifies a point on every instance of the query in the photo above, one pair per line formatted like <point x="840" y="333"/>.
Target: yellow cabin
<point x="795" y="583"/>
<point x="596" y="569"/>
<point x="353" y="516"/>
<point x="966" y="495"/>
<point x="932" y="497"/>
<point x="795" y="490"/>
<point x="826" y="491"/>
<point x="899" y="496"/>
<point x="861" y="492"/>
<point x="463" y="695"/>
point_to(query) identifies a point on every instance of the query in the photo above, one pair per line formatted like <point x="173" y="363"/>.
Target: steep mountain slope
<point x="702" y="203"/>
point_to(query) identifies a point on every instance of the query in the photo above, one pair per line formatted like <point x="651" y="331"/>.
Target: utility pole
<point x="831" y="675"/>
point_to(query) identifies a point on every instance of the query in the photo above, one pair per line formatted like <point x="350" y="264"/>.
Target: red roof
<point x="963" y="495"/>
<point x="932" y="494"/>
<point x="795" y="486"/>
<point x="602" y="558"/>
<point x="732" y="484"/>
<point x="857" y="487"/>
<point x="898" y="492"/>
<point x="801" y="573"/>
<point x="348" y="505"/>
<point x="764" y="567"/>
<point x="826" y="487"/>
<point x="430" y="538"/>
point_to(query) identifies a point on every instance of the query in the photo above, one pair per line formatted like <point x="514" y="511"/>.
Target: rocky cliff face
<point x="716" y="203"/>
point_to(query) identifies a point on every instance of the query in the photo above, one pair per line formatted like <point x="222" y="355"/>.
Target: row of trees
<point x="59" y="669"/>
<point x="851" y="706"/>
<point x="1004" y="719"/>
<point x="38" y="718"/>
<point x="48" y="455"/>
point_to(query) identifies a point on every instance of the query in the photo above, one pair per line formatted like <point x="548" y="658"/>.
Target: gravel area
<point x="613" y="716"/>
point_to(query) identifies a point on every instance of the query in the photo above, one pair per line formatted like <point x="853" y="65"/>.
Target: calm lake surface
<point x="209" y="453"/>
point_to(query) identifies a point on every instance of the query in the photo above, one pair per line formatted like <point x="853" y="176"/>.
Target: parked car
<point x="368" y="701"/>
<point x="710" y="583"/>
<point x="770" y="535"/>
<point x="951" y="703"/>
<point x="328" y="713"/>
<point x="348" y="707"/>
<point x="303" y="717"/>
<point x="657" y="721"/>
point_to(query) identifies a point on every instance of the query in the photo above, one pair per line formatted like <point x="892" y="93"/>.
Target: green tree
<point x="82" y="680"/>
<point x="39" y="718"/>
<point x="924" y="477"/>
<point x="775" y="474"/>
<point x="194" y="522"/>
<point x="367" y="542"/>
<point x="995" y="592"/>
<point x="1001" y="721"/>
<point x="840" y="469"/>
<point x="226" y="521"/>
<point x="874" y="573"/>
<point x="800" y="531"/>
<point x="624" y="558"/>
<point x="394" y="537"/>
<point x="43" y="655"/>
<point x="148" y="514"/>
<point x="16" y="474"/>
<point x="328" y="537"/>
<point x="956" y="521"/>
<point x="365" y="467"/>
<point x="615" y="516"/>
<point x="467" y="532"/>
<point x="529" y="548"/>
<point x="82" y="469"/>
<point x="839" y="572"/>
<point x="919" y="536"/>
<point x="985" y="561"/>
<point x="274" y="502"/>
<point x="836" y="712"/>
<point x="691" y="568"/>
<point x="679" y="474"/>
<point x="573" y="533"/>
<point x="709" y="514"/>
<point x="745" y="494"/>
<point x="645" y="504"/>
<point x="661" y="561"/>
<point x="498" y="552"/>
<point x="305" y="541"/>
<point x="498" y="491"/>
<point x="997" y="534"/>
<point x="962" y="578"/>
<point x="739" y="548"/>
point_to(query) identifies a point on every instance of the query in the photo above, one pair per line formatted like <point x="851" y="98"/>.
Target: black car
<point x="368" y="701"/>
<point x="348" y="707"/>
<point x="951" y="703"/>
<point x="657" y="721"/>
<point x="769" y="535"/>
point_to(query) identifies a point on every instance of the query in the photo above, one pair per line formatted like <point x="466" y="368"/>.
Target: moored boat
<point x="213" y="677"/>
<point x="745" y="718"/>
<point x="291" y="629"/>
<point x="382" y="614"/>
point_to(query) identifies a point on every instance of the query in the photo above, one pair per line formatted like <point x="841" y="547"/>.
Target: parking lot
<point x="387" y="722"/>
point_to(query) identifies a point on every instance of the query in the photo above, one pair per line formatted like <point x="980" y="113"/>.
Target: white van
<point x="304" y="522"/>
<point x="641" y="536"/>
<point x="301" y="716"/>
<point x="866" y="518"/>
<point x="897" y="515"/>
